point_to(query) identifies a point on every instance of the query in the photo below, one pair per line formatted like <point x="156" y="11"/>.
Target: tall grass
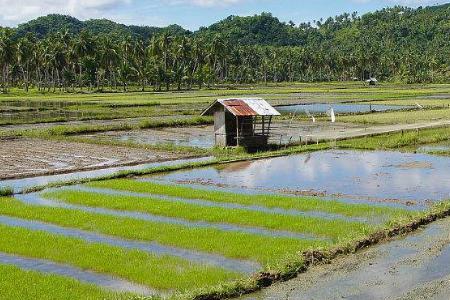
<point x="6" y="191"/>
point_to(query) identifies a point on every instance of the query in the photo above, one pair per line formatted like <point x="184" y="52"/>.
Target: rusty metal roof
<point x="242" y="107"/>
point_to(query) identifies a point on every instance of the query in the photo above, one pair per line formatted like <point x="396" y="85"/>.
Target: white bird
<point x="419" y="106"/>
<point x="310" y="115"/>
<point x="331" y="113"/>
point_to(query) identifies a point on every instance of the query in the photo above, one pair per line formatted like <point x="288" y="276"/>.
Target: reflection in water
<point x="151" y="247"/>
<point x="378" y="174"/>
<point x="105" y="281"/>
<point x="23" y="183"/>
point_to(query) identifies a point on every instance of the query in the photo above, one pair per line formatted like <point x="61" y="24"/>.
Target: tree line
<point x="397" y="44"/>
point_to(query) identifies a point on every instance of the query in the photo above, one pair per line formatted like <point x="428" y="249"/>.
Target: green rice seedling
<point x="334" y="229"/>
<point x="271" y="201"/>
<point x="157" y="272"/>
<point x="18" y="284"/>
<point x="399" y="139"/>
<point x="263" y="249"/>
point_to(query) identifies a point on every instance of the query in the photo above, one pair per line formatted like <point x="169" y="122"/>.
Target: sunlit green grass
<point x="263" y="249"/>
<point x="140" y="267"/>
<point x="399" y="117"/>
<point x="17" y="284"/>
<point x="334" y="229"/>
<point x="399" y="139"/>
<point x="439" y="103"/>
<point x="270" y="201"/>
<point x="386" y="90"/>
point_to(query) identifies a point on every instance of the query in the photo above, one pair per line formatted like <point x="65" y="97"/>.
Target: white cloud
<point x="13" y="11"/>
<point x="206" y="3"/>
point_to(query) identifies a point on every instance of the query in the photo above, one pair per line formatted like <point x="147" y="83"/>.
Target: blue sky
<point x="190" y="14"/>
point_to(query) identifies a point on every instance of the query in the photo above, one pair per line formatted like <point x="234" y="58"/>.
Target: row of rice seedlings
<point x="399" y="139"/>
<point x="158" y="272"/>
<point x="265" y="250"/>
<point x="271" y="201"/>
<point x="18" y="284"/>
<point x="334" y="229"/>
<point x="402" y="117"/>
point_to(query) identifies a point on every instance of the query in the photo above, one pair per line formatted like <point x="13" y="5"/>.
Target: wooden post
<point x="237" y="131"/>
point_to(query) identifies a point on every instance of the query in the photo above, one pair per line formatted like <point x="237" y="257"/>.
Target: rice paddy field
<point x="123" y="196"/>
<point x="164" y="240"/>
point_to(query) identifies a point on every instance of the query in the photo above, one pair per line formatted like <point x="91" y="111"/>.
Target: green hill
<point x="49" y="24"/>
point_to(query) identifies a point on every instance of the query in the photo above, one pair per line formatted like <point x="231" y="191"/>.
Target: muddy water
<point x="415" y="267"/>
<point x="378" y="176"/>
<point x="104" y="281"/>
<point x="195" y="136"/>
<point x="153" y="248"/>
<point x="340" y="108"/>
<point x="21" y="184"/>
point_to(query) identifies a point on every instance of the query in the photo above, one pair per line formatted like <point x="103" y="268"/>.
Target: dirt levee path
<point x="415" y="267"/>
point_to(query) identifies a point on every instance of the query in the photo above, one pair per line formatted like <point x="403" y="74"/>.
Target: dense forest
<point x="61" y="52"/>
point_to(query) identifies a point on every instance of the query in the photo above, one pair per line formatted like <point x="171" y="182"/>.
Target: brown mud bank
<point x="315" y="268"/>
<point x="21" y="158"/>
<point x="414" y="266"/>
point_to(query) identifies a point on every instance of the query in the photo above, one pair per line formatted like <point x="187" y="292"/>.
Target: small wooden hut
<point x="241" y="122"/>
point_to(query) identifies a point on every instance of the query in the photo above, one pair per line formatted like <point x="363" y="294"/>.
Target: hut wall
<point x="231" y="129"/>
<point x="220" y="130"/>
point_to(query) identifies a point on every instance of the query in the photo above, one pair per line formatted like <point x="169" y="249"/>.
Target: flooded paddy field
<point x="192" y="136"/>
<point x="437" y="148"/>
<point x="412" y="267"/>
<point x="284" y="132"/>
<point x="35" y="111"/>
<point x="380" y="176"/>
<point x="340" y="108"/>
<point x="180" y="239"/>
<point x="37" y="157"/>
<point x="195" y="230"/>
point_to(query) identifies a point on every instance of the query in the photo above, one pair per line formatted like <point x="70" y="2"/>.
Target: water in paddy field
<point x="437" y="147"/>
<point x="380" y="176"/>
<point x="24" y="111"/>
<point x="24" y="183"/>
<point x="340" y="108"/>
<point x="197" y="136"/>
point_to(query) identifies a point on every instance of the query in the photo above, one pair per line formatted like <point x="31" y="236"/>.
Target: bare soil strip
<point x="20" y="158"/>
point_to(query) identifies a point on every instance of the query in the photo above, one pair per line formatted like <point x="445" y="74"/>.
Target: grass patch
<point x="270" y="201"/>
<point x="399" y="139"/>
<point x="6" y="191"/>
<point x="17" y="284"/>
<point x="265" y="250"/>
<point x="335" y="229"/>
<point x="137" y="266"/>
<point x="398" y="117"/>
<point x="67" y="130"/>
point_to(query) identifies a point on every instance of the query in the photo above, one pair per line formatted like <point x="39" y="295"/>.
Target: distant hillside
<point x="419" y="25"/>
<point x="43" y="26"/>
<point x="261" y="29"/>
